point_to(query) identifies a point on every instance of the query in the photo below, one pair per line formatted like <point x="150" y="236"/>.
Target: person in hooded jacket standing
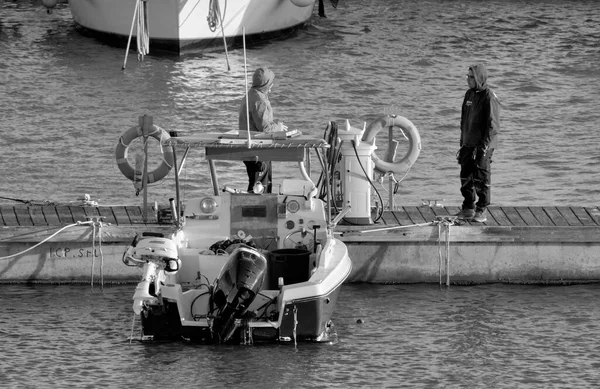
<point x="479" y="126"/>
<point x="259" y="116"/>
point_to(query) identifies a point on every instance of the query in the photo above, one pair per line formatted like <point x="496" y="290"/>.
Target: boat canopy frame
<point x="221" y="147"/>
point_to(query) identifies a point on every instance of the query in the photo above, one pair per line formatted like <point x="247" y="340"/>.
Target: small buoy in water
<point x="359" y="321"/>
<point x="49" y="4"/>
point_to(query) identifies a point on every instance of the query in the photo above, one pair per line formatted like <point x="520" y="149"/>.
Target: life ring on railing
<point x="136" y="132"/>
<point x="414" y="148"/>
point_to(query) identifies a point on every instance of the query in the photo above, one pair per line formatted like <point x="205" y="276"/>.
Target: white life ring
<point x="410" y="131"/>
<point x="136" y="132"/>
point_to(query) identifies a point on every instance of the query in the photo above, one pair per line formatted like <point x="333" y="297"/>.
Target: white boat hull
<point x="178" y="25"/>
<point x="296" y="285"/>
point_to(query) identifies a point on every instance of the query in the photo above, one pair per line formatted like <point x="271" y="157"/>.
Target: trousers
<point x="259" y="171"/>
<point x="475" y="178"/>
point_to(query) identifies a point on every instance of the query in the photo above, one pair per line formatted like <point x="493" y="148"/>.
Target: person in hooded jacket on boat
<point x="479" y="126"/>
<point x="259" y="116"/>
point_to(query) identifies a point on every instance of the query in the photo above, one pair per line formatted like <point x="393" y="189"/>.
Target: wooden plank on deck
<point x="498" y="214"/>
<point x="388" y="218"/>
<point x="541" y="216"/>
<point x="9" y="218"/>
<point x="50" y="215"/>
<point x="37" y="216"/>
<point x="514" y="217"/>
<point x="584" y="217"/>
<point x="91" y="212"/>
<point x="106" y="213"/>
<point x="427" y="213"/>
<point x="414" y="215"/>
<point x="527" y="216"/>
<point x="78" y="213"/>
<point x="555" y="216"/>
<point x="23" y="217"/>
<point x="121" y="216"/>
<point x="594" y="214"/>
<point x="64" y="214"/>
<point x="402" y="217"/>
<point x="569" y="216"/>
<point x="135" y="214"/>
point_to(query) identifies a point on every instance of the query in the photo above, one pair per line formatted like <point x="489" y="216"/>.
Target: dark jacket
<point x="480" y="118"/>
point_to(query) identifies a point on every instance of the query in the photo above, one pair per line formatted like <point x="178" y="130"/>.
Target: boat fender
<point x="136" y="132"/>
<point x="410" y="131"/>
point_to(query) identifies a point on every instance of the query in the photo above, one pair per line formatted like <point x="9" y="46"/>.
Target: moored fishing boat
<point x="243" y="267"/>
<point x="179" y="26"/>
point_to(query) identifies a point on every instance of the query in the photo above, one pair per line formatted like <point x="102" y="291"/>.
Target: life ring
<point x="136" y="132"/>
<point x="410" y="131"/>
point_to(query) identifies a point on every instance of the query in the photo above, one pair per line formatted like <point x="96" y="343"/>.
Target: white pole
<point x="223" y="33"/>
<point x="246" y="78"/>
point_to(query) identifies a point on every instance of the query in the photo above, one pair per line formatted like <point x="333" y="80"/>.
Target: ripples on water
<point x="67" y="101"/>
<point x="413" y="336"/>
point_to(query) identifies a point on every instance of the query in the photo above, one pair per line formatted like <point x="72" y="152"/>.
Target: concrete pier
<point x="516" y="244"/>
<point x="410" y="244"/>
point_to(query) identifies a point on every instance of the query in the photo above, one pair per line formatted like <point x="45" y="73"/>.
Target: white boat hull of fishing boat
<point x="243" y="267"/>
<point x="176" y="25"/>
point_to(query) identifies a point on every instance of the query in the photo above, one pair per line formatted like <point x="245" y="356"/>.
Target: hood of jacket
<point x="480" y="76"/>
<point x="262" y="79"/>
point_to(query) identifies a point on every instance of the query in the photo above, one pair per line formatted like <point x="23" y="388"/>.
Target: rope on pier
<point x="47" y="239"/>
<point x="97" y="223"/>
<point x="444" y="224"/>
<point x="94" y="222"/>
<point x="397" y="227"/>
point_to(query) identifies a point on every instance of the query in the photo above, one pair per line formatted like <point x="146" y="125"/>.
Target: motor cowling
<point x="238" y="284"/>
<point x="161" y="251"/>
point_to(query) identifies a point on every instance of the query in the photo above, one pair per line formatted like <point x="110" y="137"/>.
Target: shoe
<point x="466" y="214"/>
<point x="479" y="217"/>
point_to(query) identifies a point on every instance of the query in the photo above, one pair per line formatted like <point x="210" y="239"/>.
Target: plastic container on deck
<point x="291" y="264"/>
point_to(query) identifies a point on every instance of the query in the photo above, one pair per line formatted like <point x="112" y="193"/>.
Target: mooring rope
<point x="97" y="223"/>
<point x="140" y="15"/>
<point x="295" y="325"/>
<point x="444" y="229"/>
<point x="47" y="239"/>
<point x="132" y="327"/>
<point x="94" y="222"/>
<point x="143" y="35"/>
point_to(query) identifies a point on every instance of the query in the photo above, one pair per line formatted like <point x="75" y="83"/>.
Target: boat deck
<point x="522" y="223"/>
<point x="541" y="244"/>
<point x="522" y="216"/>
<point x="59" y="215"/>
<point x="500" y="216"/>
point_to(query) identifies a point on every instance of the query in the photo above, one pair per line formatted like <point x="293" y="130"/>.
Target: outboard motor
<point x="158" y="257"/>
<point x="238" y="284"/>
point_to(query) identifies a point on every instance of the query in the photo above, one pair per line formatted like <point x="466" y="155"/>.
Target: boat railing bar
<point x="306" y="144"/>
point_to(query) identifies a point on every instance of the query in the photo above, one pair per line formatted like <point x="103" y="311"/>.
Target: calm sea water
<point x="66" y="101"/>
<point x="417" y="336"/>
